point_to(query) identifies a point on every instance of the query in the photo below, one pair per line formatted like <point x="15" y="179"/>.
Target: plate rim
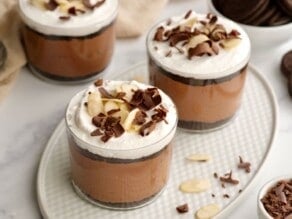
<point x="228" y="209"/>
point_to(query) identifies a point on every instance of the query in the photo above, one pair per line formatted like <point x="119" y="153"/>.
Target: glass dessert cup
<point x="206" y="97"/>
<point x="203" y="105"/>
<point x="74" y="54"/>
<point x="114" y="177"/>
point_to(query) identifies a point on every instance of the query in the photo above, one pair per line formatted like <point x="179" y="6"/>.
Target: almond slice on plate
<point x="195" y="185"/>
<point x="208" y="211"/>
<point x="199" y="157"/>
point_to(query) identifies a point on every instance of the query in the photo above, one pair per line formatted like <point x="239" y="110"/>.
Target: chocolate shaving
<point x="160" y="114"/>
<point x="99" y="120"/>
<point x="227" y="178"/>
<point x="96" y="132"/>
<point x="188" y="14"/>
<point x="98" y="83"/>
<point x="168" y="22"/>
<point x="180" y="50"/>
<point x="86" y="104"/>
<point x="88" y="4"/>
<point x="147" y="128"/>
<point x="215" y="175"/>
<point x="213" y="195"/>
<point x="244" y="165"/>
<point x="277" y="201"/>
<point x="72" y="11"/>
<point x="118" y="130"/>
<point x="113" y="111"/>
<point x="159" y="34"/>
<point x="140" y="118"/>
<point x="105" y="138"/>
<point x="178" y="37"/>
<point x="64" y="18"/>
<point x="240" y="191"/>
<point x="104" y="93"/>
<point x="51" y="5"/>
<point x="226" y="196"/>
<point x="200" y="50"/>
<point x="213" y="19"/>
<point x="147" y="99"/>
<point x="182" y="208"/>
<point x="168" y="54"/>
<point x="120" y="95"/>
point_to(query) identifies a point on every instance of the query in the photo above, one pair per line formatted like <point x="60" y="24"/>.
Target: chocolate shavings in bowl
<point x="278" y="200"/>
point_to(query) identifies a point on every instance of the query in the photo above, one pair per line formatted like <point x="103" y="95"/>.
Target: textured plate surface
<point x="249" y="135"/>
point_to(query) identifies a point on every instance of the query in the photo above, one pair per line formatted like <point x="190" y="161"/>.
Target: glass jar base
<point x="199" y="127"/>
<point x="118" y="206"/>
<point x="64" y="80"/>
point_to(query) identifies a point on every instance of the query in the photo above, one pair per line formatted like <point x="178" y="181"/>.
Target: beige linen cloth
<point x="134" y="18"/>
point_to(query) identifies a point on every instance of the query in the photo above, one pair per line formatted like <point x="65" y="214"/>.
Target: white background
<point x="32" y="110"/>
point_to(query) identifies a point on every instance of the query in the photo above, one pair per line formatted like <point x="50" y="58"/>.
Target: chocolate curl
<point x="147" y="128"/>
<point x="159" y="34"/>
<point x="178" y="37"/>
<point x="200" y="50"/>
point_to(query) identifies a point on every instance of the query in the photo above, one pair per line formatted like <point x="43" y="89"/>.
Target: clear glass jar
<point x="207" y="90"/>
<point x="110" y="176"/>
<point x="70" y="50"/>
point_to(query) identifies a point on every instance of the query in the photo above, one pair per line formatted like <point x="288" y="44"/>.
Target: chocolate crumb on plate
<point x="226" y="196"/>
<point x="244" y="165"/>
<point x="98" y="83"/>
<point x="182" y="208"/>
<point x="227" y="178"/>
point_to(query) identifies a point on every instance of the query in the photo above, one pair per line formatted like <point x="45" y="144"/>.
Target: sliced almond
<point x="64" y="7"/>
<point x="194" y="41"/>
<point x="199" y="157"/>
<point x="188" y="24"/>
<point x="129" y="120"/>
<point x="123" y="113"/>
<point x="38" y="3"/>
<point x="208" y="211"/>
<point x="129" y="89"/>
<point x="113" y="100"/>
<point x="195" y="185"/>
<point x="110" y="105"/>
<point x="94" y="104"/>
<point x="230" y="43"/>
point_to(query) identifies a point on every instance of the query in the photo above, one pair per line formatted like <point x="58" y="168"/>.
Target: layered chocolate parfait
<point x="68" y="40"/>
<point x="120" y="137"/>
<point x="200" y="61"/>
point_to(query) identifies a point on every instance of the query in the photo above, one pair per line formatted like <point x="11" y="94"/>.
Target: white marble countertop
<point x="32" y="110"/>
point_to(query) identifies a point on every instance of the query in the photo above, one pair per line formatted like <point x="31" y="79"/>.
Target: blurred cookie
<point x="3" y="54"/>
<point x="256" y="12"/>
<point x="286" y="6"/>
<point x="286" y="65"/>
<point x="239" y="10"/>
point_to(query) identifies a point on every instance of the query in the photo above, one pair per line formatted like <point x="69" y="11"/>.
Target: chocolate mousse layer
<point x="122" y="183"/>
<point x="202" y="104"/>
<point x="67" y="58"/>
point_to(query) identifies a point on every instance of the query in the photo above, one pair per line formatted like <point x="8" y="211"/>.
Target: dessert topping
<point x="278" y="200"/>
<point x="198" y="37"/>
<point x="227" y="178"/>
<point x="195" y="185"/>
<point x="244" y="165"/>
<point x="208" y="211"/>
<point x="125" y="108"/>
<point x="199" y="157"/>
<point x="67" y="8"/>
<point x="182" y="208"/>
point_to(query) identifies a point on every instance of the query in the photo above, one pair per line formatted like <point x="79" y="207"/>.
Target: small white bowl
<point x="262" y="213"/>
<point x="261" y="36"/>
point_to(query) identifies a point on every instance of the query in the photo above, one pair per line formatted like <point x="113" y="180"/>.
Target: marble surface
<point x="32" y="110"/>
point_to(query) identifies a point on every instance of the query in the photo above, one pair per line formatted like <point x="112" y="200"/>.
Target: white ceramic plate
<point x="249" y="135"/>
